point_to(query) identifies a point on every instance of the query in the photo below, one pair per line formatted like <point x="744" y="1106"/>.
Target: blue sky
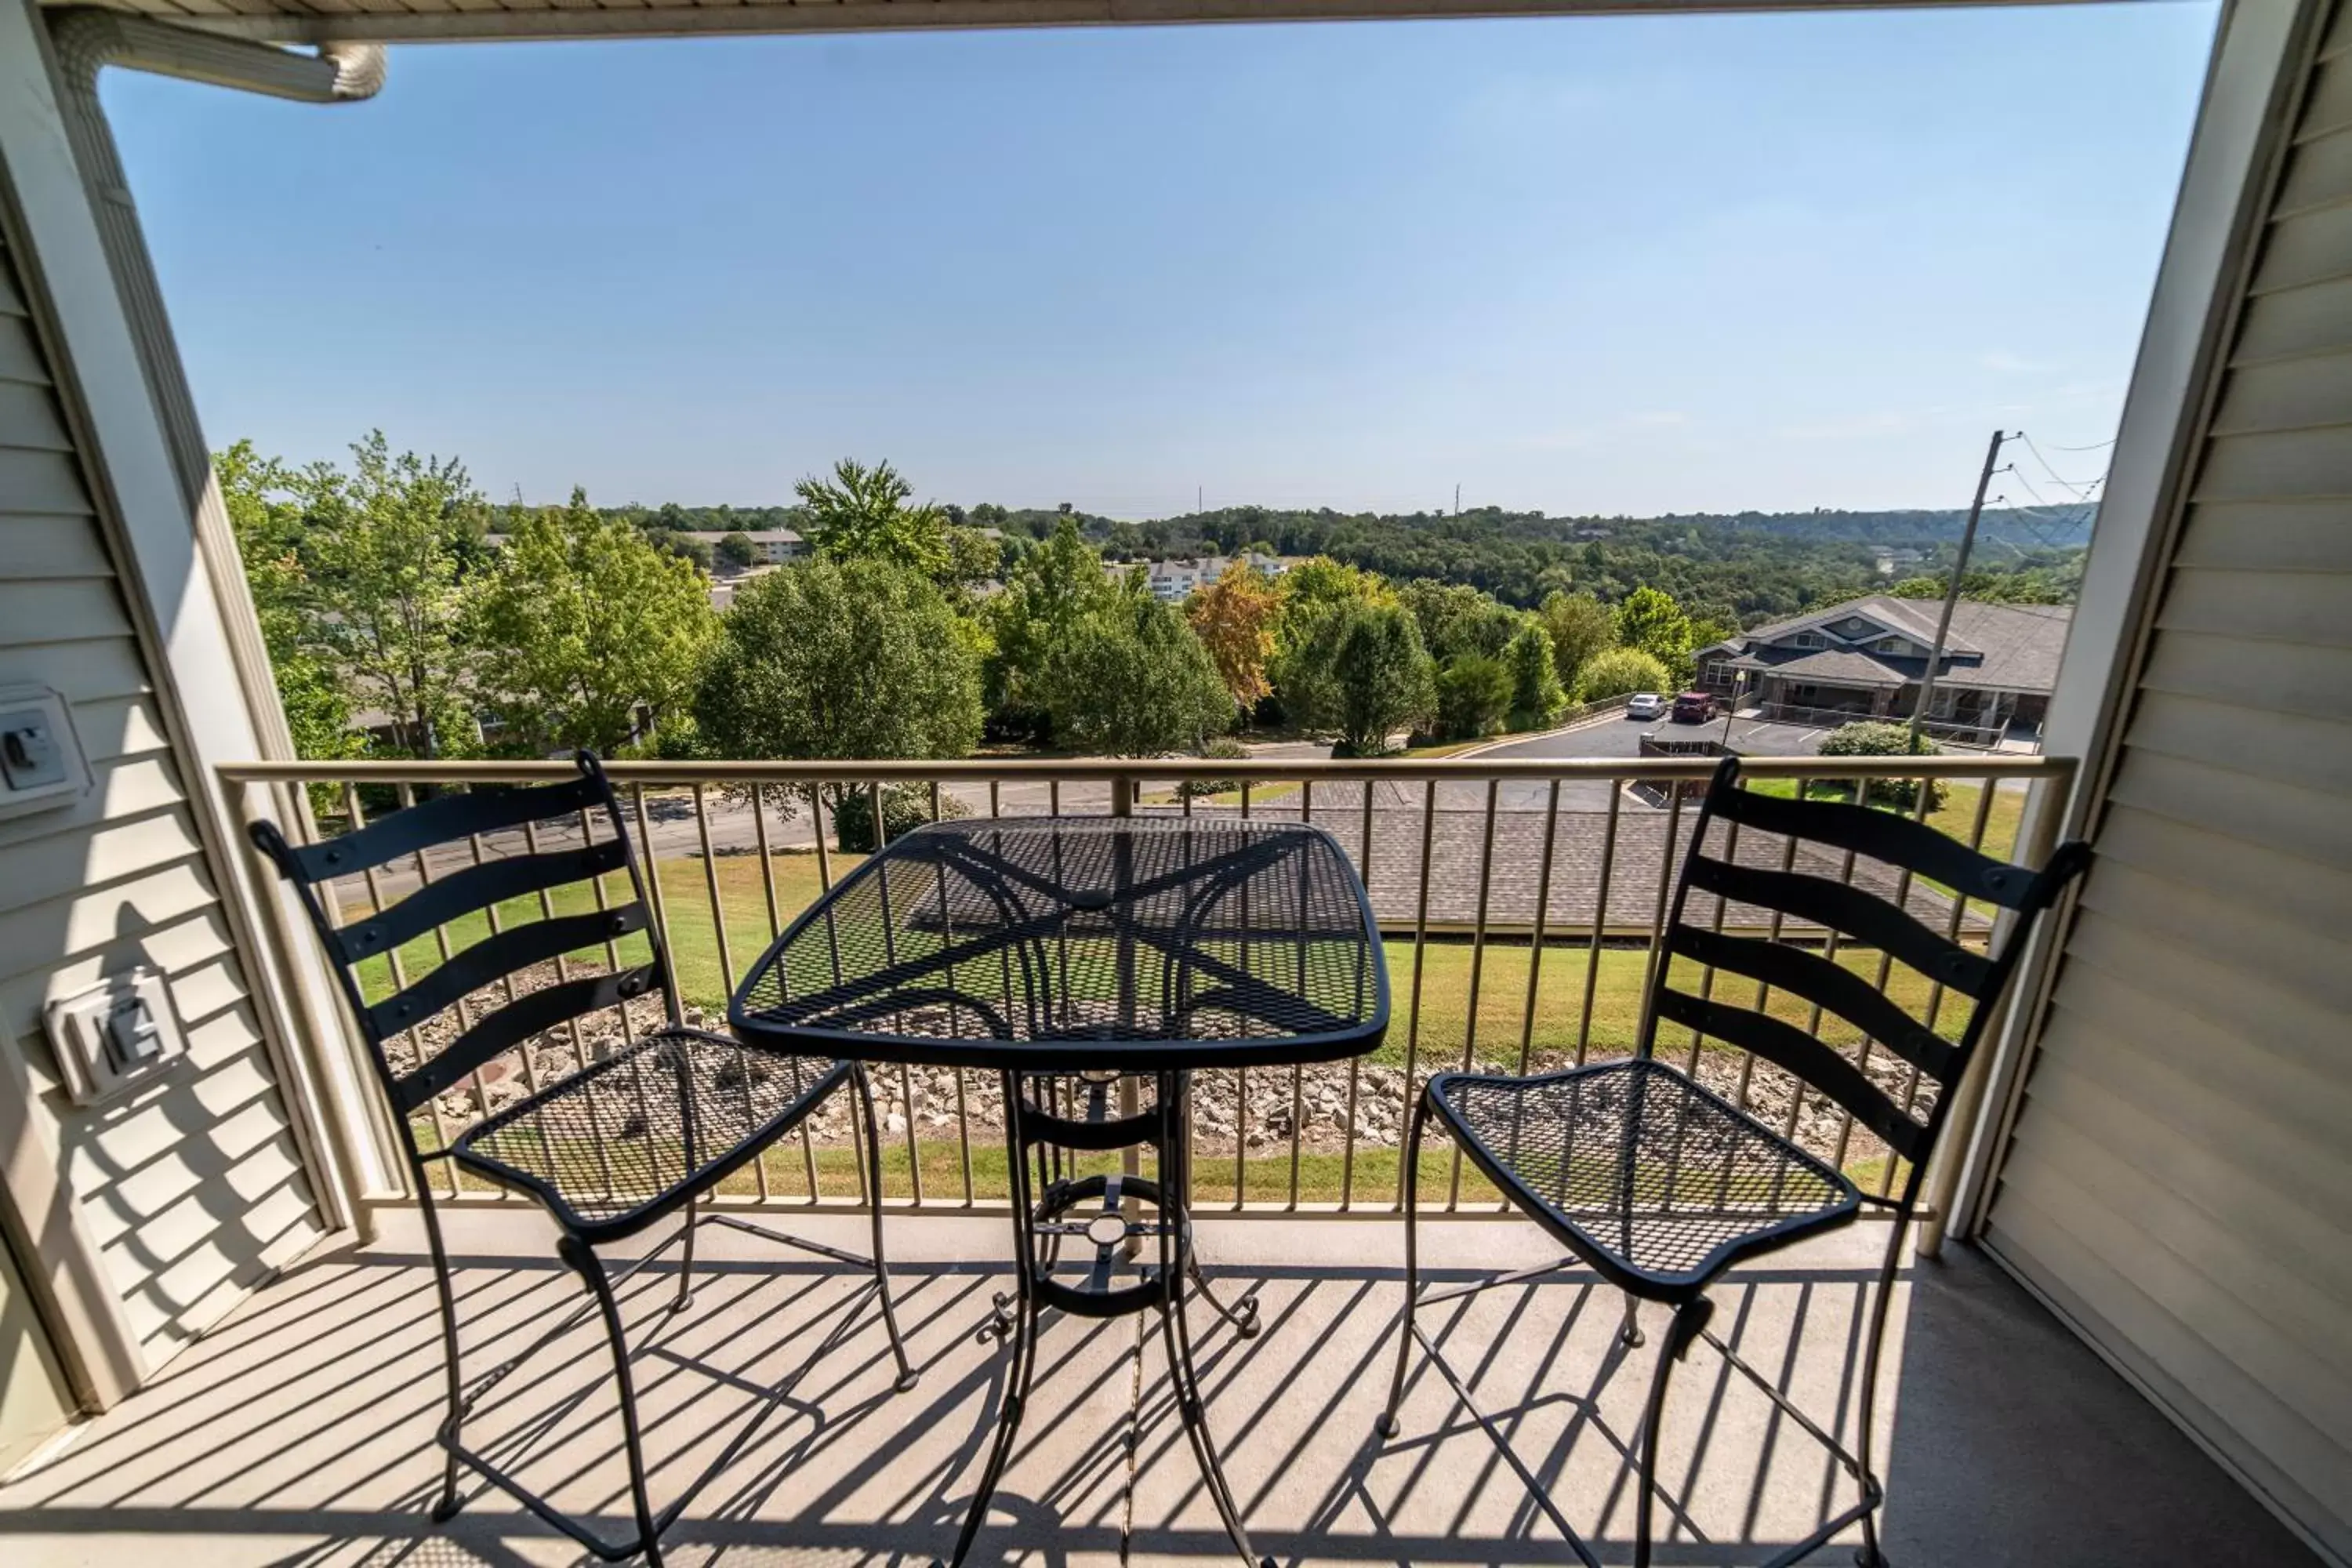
<point x="1583" y="265"/>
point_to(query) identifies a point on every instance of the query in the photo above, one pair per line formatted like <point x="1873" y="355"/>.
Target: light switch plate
<point x="41" y="761"/>
<point x="114" y="1035"/>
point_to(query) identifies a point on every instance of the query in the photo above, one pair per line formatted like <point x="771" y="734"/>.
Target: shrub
<point x="1874" y="738"/>
<point x="1223" y="749"/>
<point x="1619" y="672"/>
<point x="1474" y="693"/>
<point x="905" y="807"/>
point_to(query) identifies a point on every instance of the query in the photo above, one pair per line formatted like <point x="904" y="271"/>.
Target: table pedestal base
<point x="1110" y="1214"/>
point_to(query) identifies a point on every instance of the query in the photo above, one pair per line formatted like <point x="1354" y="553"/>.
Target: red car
<point x="1694" y="708"/>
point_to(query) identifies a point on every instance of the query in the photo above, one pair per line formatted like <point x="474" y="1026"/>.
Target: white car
<point x="1645" y="705"/>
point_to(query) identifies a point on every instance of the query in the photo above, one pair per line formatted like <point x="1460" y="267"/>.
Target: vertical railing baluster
<point x="351" y="809"/>
<point x="775" y="929"/>
<point x="881" y="833"/>
<point x="1298" y="1073"/>
<point x="1413" y="1013"/>
<point x="1920" y="813"/>
<point x="1534" y="961"/>
<point x="1654" y="973"/>
<point x="1536" y="941"/>
<point x="1600" y="923"/>
<point x="1763" y="989"/>
<point x="963" y="1110"/>
<point x="1477" y="974"/>
<point x="407" y="794"/>
<point x="1356" y="1064"/>
<point x="1934" y="1007"/>
<point x="1707" y="972"/>
<point x="613" y="963"/>
<point x="726" y="956"/>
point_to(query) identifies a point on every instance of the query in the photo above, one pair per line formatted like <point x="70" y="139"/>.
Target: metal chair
<point x="1657" y="1184"/>
<point x="608" y="1150"/>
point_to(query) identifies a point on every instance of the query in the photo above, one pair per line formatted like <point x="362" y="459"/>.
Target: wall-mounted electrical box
<point x="115" y="1036"/>
<point x="41" y="762"/>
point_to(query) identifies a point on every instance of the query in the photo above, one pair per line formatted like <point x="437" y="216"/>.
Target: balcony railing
<point x="1521" y="901"/>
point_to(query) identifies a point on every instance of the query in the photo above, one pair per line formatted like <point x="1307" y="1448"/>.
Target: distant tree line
<point x="397" y="622"/>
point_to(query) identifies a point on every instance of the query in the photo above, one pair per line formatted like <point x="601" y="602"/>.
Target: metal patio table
<point x="1087" y="960"/>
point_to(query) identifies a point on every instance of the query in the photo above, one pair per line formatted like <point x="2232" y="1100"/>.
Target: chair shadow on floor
<point x="299" y="1432"/>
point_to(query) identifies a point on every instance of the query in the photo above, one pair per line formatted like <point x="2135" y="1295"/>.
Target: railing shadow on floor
<point x="299" y="1432"/>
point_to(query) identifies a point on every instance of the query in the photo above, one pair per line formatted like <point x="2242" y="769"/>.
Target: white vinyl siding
<point x="2178" y="1180"/>
<point x="192" y="1187"/>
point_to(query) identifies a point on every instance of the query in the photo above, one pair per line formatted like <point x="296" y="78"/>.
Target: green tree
<point x="841" y="658"/>
<point x="257" y="493"/>
<point x="1376" y="678"/>
<point x="1474" y="694"/>
<point x="1132" y="680"/>
<point x="1621" y="671"/>
<point x="1056" y="585"/>
<point x="1650" y="620"/>
<point x="585" y="629"/>
<point x="1580" y="627"/>
<point x="381" y="545"/>
<point x="972" y="558"/>
<point x="1537" y="697"/>
<point x="1317" y="594"/>
<point x="1457" y="619"/>
<point x="736" y="549"/>
<point x="861" y="513"/>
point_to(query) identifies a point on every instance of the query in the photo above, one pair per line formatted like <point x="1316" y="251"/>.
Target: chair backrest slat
<point x="1792" y="962"/>
<point x="497" y="956"/>
<point x="445" y="819"/>
<point x="1785" y="1044"/>
<point x="583" y="807"/>
<point x="1799" y="973"/>
<point x="473" y="889"/>
<point x="1885" y="835"/>
<point x="531" y="1013"/>
<point x="1856" y="912"/>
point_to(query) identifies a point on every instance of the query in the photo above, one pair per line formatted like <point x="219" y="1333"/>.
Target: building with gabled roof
<point x="1866" y="658"/>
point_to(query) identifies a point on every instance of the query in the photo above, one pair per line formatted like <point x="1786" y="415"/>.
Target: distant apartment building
<point x="1172" y="582"/>
<point x="1866" y="659"/>
<point x="774" y="546"/>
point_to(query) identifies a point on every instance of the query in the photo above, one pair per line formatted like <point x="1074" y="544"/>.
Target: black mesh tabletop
<point x="1047" y="943"/>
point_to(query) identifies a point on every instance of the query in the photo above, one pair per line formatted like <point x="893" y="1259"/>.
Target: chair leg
<point x="1689" y="1319"/>
<point x="1386" y="1426"/>
<point x="1868" y="1555"/>
<point x="445" y="1507"/>
<point x="584" y="1262"/>
<point x="1630" y="1336"/>
<point x="685" y="1297"/>
<point x="908" y="1376"/>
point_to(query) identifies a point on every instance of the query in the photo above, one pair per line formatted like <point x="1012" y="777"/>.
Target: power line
<point x="2093" y="447"/>
<point x="2080" y="489"/>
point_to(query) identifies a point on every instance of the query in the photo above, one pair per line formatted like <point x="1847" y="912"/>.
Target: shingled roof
<point x="2006" y="648"/>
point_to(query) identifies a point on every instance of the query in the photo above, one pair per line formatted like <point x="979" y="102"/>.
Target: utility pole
<point x="1952" y="594"/>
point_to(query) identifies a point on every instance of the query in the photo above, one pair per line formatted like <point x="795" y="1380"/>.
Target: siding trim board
<point x="2173" y="1172"/>
<point x="151" y="1215"/>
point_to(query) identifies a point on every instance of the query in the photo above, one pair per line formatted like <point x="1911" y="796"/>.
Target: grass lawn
<point x="1955" y="816"/>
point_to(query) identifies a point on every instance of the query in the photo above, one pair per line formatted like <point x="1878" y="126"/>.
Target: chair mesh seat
<point x="1645" y="1173"/>
<point x="609" y="1145"/>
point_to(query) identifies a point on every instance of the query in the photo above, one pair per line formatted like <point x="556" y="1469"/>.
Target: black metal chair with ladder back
<point x="608" y="1149"/>
<point x="1658" y="1185"/>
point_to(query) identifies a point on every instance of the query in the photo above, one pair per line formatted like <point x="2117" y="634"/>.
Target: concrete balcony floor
<point x="299" y="1431"/>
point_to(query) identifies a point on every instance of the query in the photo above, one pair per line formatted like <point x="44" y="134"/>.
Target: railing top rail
<point x="981" y="769"/>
